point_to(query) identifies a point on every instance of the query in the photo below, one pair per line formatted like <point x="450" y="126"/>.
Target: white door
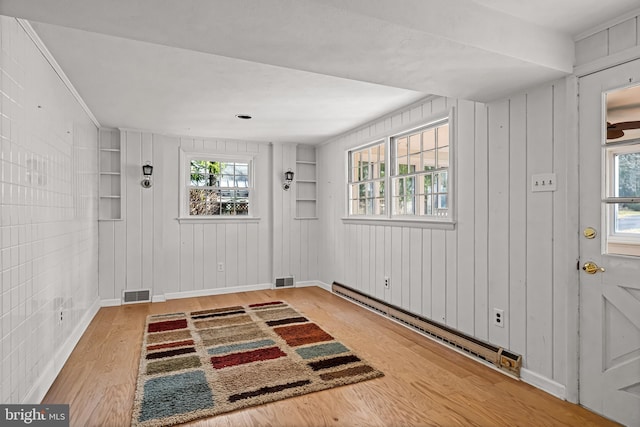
<point x="609" y="299"/>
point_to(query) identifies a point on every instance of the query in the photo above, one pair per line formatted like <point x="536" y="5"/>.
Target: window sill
<point x="403" y="222"/>
<point x="215" y="219"/>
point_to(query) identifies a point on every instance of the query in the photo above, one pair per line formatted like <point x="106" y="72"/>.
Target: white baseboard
<point x="314" y="283"/>
<point x="110" y="302"/>
<point x="217" y="291"/>
<point x="543" y="383"/>
<point x="53" y="368"/>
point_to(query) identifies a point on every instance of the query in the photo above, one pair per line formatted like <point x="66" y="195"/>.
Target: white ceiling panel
<point x="140" y="85"/>
<point x="305" y="69"/>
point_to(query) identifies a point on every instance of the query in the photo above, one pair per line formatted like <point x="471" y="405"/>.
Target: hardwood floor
<point x="425" y="383"/>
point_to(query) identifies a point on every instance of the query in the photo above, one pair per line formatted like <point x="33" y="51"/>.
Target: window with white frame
<point x="623" y="197"/>
<point x="367" y="180"/>
<point x="420" y="180"/>
<point x="215" y="186"/>
<point x="414" y="180"/>
<point x="621" y="150"/>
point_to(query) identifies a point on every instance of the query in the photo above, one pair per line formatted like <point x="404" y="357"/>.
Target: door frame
<point x="572" y="386"/>
<point x="572" y="230"/>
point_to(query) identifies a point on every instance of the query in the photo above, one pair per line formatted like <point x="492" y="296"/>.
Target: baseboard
<point x="110" y="302"/>
<point x="53" y="368"/>
<point x="314" y="283"/>
<point x="543" y="383"/>
<point x="217" y="291"/>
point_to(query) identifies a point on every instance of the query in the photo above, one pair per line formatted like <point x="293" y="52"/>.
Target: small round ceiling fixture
<point x="244" y="116"/>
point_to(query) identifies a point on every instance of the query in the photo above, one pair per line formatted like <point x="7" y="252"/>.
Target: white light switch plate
<point x="543" y="182"/>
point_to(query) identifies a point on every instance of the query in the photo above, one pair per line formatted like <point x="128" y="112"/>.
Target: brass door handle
<point x="592" y="268"/>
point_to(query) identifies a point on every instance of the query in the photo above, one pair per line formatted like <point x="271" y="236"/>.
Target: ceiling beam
<point x="454" y="48"/>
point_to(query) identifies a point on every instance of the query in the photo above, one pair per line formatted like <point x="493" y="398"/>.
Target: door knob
<point x="592" y="267"/>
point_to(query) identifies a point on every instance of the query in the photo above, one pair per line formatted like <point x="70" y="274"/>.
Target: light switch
<point x="543" y="182"/>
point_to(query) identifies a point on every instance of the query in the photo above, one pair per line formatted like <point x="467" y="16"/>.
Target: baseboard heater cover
<point x="498" y="356"/>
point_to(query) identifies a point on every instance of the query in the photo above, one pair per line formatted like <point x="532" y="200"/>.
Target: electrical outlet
<point x="60" y="317"/>
<point x="221" y="266"/>
<point x="386" y="283"/>
<point x="498" y="317"/>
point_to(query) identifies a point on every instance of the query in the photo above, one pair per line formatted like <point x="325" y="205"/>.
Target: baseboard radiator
<point x="498" y="356"/>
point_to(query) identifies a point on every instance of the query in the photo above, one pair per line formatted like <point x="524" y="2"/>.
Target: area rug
<point x="203" y="363"/>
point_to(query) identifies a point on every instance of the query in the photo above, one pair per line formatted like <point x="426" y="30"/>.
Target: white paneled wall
<point x="150" y="249"/>
<point x="609" y="44"/>
<point x="48" y="218"/>
<point x="295" y="241"/>
<point x="507" y="248"/>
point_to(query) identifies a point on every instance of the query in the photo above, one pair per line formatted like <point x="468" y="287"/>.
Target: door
<point x="610" y="287"/>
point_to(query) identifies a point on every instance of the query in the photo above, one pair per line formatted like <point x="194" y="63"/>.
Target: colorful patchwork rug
<point x="208" y="362"/>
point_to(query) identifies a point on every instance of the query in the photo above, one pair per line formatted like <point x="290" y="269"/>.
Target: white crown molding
<point x="26" y="26"/>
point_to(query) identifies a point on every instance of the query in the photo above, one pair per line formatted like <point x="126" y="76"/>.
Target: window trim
<point x="185" y="171"/>
<point x="350" y="182"/>
<point x="394" y="175"/>
<point x="416" y="221"/>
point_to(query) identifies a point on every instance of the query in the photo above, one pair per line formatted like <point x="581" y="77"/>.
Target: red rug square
<point x="168" y="325"/>
<point x="302" y="334"/>
<point x="235" y="359"/>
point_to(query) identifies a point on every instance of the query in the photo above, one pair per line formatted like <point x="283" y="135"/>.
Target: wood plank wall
<point x="610" y="42"/>
<point x="150" y="249"/>
<point x="295" y="249"/>
<point x="506" y="248"/>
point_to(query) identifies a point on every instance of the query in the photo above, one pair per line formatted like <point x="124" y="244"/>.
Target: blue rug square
<point x="174" y="395"/>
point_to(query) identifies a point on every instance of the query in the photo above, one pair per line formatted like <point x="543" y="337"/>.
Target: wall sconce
<point x="147" y="171"/>
<point x="288" y="178"/>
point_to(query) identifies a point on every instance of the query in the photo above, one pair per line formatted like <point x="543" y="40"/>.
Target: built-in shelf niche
<point x="110" y="161"/>
<point x="306" y="184"/>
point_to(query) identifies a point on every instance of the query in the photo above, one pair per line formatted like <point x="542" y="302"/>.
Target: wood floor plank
<point x="425" y="383"/>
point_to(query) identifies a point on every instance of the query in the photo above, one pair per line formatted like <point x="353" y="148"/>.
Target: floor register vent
<point x="136" y="295"/>
<point x="285" y="282"/>
<point x="498" y="356"/>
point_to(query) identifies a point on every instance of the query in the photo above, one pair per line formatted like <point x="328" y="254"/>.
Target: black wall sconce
<point x="288" y="178"/>
<point x="147" y="171"/>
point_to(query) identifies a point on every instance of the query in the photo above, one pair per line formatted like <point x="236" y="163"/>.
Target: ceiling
<point x="306" y="70"/>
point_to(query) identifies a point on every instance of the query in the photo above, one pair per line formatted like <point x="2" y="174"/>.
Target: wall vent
<point x="498" y="356"/>
<point x="285" y="282"/>
<point x="136" y="295"/>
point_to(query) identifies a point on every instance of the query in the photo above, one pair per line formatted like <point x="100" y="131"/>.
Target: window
<point x="421" y="172"/>
<point x="216" y="186"/>
<point x="405" y="176"/>
<point x="622" y="173"/>
<point x="367" y="180"/>
<point x="623" y="196"/>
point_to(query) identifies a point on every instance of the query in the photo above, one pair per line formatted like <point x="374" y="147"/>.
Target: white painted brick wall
<point x="48" y="213"/>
